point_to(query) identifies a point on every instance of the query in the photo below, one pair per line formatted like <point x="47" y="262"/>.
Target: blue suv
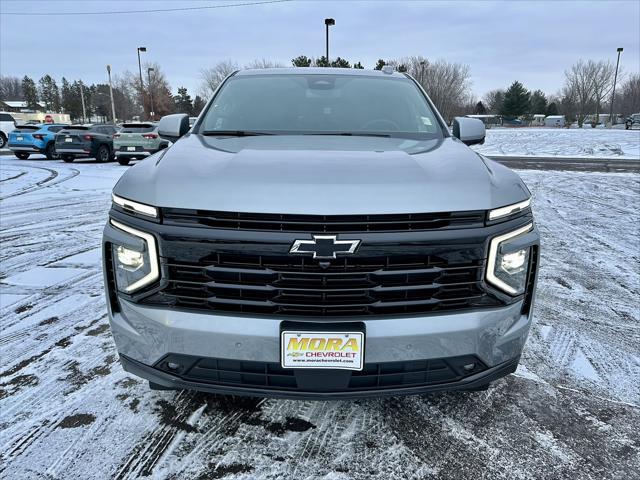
<point x="28" y="139"/>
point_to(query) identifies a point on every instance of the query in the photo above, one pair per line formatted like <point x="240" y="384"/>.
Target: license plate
<point x="19" y="139"/>
<point x="131" y="149"/>
<point x="68" y="140"/>
<point x="336" y="350"/>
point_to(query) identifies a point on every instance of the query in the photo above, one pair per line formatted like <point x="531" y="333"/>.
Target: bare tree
<point x="10" y="88"/>
<point x="493" y="100"/>
<point x="213" y="76"/>
<point x="263" y="63"/>
<point x="628" y="100"/>
<point x="602" y="84"/>
<point x="580" y="82"/>
<point x="447" y="84"/>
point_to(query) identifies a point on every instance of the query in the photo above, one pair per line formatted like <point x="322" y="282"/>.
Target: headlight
<point x="135" y="207"/>
<point x="135" y="267"/>
<point x="507" y="266"/>
<point x="509" y="209"/>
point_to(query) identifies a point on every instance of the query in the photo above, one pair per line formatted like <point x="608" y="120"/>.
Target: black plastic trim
<point x="169" y="381"/>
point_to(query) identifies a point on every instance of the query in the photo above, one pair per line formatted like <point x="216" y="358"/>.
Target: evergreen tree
<point x="30" y="92"/>
<point x="479" y="109"/>
<point x="340" y="63"/>
<point x="65" y="95"/>
<point x="516" y="101"/>
<point x="321" y="62"/>
<point x="301" y="61"/>
<point x="358" y="66"/>
<point x="381" y="63"/>
<point x="198" y="105"/>
<point x="552" y="109"/>
<point x="402" y="68"/>
<point x="538" y="102"/>
<point x="183" y="101"/>
<point x="49" y="93"/>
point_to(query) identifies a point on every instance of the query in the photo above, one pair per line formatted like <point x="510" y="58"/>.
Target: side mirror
<point x="470" y="130"/>
<point x="172" y="127"/>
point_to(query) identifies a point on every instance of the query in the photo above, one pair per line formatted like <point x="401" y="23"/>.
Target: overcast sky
<point x="533" y="42"/>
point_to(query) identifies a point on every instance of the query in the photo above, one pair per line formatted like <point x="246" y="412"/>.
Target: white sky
<point x="533" y="42"/>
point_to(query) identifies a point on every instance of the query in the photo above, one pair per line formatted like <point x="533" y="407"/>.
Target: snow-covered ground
<point x="67" y="409"/>
<point x="562" y="142"/>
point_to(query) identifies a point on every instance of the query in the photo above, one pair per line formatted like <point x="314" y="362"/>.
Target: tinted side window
<point x="5" y="117"/>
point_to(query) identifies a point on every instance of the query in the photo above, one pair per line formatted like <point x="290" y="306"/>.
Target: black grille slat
<point x="359" y="285"/>
<point x="323" y="223"/>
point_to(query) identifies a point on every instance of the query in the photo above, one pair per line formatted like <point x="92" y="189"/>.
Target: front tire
<point x="3" y="140"/>
<point x="50" y="152"/>
<point x="123" y="161"/>
<point x="103" y="154"/>
<point x="67" y="158"/>
<point x="21" y="155"/>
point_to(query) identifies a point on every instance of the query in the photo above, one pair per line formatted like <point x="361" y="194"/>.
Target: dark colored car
<point x="631" y="121"/>
<point x="28" y="139"/>
<point x="86" y="141"/>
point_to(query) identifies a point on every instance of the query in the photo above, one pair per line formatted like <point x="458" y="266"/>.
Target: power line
<point x="157" y="10"/>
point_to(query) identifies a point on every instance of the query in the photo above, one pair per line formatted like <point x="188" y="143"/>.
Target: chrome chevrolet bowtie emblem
<point x="324" y="246"/>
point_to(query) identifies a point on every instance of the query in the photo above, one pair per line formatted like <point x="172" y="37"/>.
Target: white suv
<point x="7" y="125"/>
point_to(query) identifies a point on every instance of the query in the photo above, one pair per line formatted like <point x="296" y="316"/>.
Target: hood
<point x="323" y="175"/>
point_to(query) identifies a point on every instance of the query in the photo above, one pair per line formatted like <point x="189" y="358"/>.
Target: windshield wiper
<point x="233" y="133"/>
<point x="352" y="134"/>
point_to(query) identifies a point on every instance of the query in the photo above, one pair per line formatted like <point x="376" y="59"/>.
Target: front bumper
<point x="145" y="336"/>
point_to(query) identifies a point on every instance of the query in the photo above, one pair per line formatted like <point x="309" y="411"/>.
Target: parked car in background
<point x="86" y="141"/>
<point x="632" y="120"/>
<point x="28" y="139"/>
<point x="7" y="125"/>
<point x="136" y="141"/>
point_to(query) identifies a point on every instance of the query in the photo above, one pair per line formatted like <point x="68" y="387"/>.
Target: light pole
<point x="613" y="93"/>
<point x="113" y="105"/>
<point x="152" y="112"/>
<point x="328" y="22"/>
<point x="84" y="110"/>
<point x="141" y="49"/>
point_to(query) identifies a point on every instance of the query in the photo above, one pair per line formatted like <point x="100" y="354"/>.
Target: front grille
<point x="323" y="223"/>
<point x="288" y="285"/>
<point x="374" y="376"/>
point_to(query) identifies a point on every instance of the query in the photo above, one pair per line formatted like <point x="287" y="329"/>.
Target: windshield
<point x="321" y="104"/>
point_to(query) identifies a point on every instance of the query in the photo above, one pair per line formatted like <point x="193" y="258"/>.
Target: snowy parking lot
<point x="68" y="410"/>
<point x="562" y="142"/>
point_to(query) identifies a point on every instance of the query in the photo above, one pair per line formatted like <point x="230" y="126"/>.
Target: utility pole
<point x="328" y="22"/>
<point x="84" y="111"/>
<point x="141" y="49"/>
<point x="152" y="113"/>
<point x="613" y="93"/>
<point x="113" y="106"/>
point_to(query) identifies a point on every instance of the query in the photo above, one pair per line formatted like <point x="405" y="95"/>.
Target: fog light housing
<point x="135" y="268"/>
<point x="507" y="268"/>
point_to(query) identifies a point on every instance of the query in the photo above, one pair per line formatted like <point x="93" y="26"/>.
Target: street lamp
<point x="113" y="106"/>
<point x="141" y="49"/>
<point x="328" y="22"/>
<point x="151" y="113"/>
<point x="613" y="93"/>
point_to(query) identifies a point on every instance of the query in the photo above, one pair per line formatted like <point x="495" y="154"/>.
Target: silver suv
<point x="320" y="233"/>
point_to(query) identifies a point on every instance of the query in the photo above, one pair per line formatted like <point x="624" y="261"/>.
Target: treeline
<point x="131" y="98"/>
<point x="587" y="90"/>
